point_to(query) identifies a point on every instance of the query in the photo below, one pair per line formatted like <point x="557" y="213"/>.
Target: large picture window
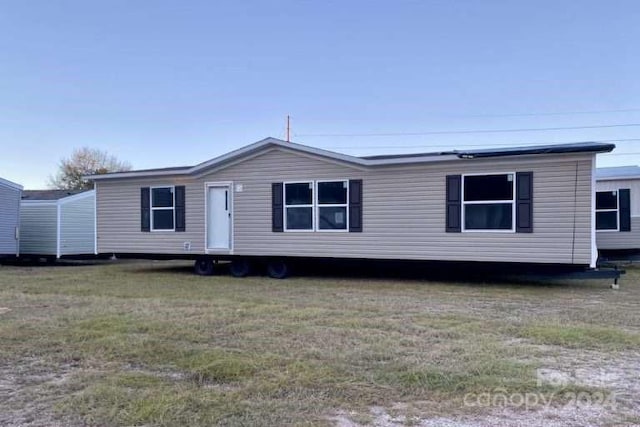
<point x="607" y="210"/>
<point x="488" y="202"/>
<point x="162" y="208"/>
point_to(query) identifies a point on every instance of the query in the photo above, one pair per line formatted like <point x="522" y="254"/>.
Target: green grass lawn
<point x="148" y="343"/>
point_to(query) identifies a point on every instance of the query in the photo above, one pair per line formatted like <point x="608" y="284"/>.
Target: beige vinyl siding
<point x="38" y="228"/>
<point x="403" y="211"/>
<point x="77" y="226"/>
<point x="118" y="216"/>
<point x="9" y="219"/>
<point x="626" y="239"/>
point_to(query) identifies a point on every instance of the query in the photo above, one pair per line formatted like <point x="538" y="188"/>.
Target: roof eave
<point x="594" y="148"/>
<point x="617" y="178"/>
<point x="410" y="160"/>
<point x="61" y="200"/>
<point x="11" y="184"/>
<point x="230" y="157"/>
<point x="249" y="149"/>
<point x="134" y="174"/>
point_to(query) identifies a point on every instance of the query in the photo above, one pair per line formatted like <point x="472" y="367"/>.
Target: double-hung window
<point x="607" y="210"/>
<point x="162" y="208"/>
<point x="298" y="206"/>
<point x="488" y="202"/>
<point x="316" y="206"/>
<point x="333" y="205"/>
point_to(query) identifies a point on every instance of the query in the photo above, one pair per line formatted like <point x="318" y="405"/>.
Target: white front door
<point x="218" y="217"/>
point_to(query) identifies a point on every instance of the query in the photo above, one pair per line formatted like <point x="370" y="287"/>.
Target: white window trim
<point x="284" y="207"/>
<point x="617" y="210"/>
<point x="332" y="205"/>
<point x="151" y="208"/>
<point x="315" y="206"/>
<point x="487" y="202"/>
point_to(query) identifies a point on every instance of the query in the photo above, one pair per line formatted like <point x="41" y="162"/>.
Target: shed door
<point x="218" y="218"/>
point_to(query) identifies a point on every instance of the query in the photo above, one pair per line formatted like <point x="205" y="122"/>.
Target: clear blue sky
<point x="163" y="83"/>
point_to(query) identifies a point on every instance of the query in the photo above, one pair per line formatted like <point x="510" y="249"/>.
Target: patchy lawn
<point x="148" y="343"/>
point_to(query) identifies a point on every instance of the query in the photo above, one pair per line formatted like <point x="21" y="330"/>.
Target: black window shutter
<point x="277" y="207"/>
<point x="180" y="208"/>
<point x="454" y="203"/>
<point x="524" y="202"/>
<point x="625" y="209"/>
<point x="355" y="206"/>
<point x="145" y="210"/>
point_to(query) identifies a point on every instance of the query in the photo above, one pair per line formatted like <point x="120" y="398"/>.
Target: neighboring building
<point x="10" y="194"/>
<point x="618" y="208"/>
<point x="274" y="200"/>
<point x="58" y="223"/>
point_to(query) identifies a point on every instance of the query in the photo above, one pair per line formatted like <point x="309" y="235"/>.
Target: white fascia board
<point x="140" y="174"/>
<point x="13" y="185"/>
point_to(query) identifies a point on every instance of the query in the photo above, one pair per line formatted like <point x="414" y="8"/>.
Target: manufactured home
<point x="57" y="223"/>
<point x="618" y="208"/>
<point x="10" y="194"/>
<point x="275" y="201"/>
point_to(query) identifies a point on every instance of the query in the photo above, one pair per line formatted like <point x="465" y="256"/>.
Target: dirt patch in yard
<point x="29" y="391"/>
<point x="611" y="397"/>
<point x="551" y="417"/>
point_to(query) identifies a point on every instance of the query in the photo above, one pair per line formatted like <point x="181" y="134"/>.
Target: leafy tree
<point x="85" y="161"/>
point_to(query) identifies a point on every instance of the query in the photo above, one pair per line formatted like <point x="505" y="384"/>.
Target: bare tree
<point x="85" y="161"/>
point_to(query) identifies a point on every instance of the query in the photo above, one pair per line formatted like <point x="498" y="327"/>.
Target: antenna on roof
<point x="288" y="128"/>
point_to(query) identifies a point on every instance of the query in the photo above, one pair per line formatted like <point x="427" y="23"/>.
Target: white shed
<point x="10" y="194"/>
<point x="58" y="223"/>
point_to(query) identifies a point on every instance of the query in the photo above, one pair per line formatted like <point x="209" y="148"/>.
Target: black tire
<point x="240" y="268"/>
<point x="278" y="269"/>
<point x="203" y="267"/>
